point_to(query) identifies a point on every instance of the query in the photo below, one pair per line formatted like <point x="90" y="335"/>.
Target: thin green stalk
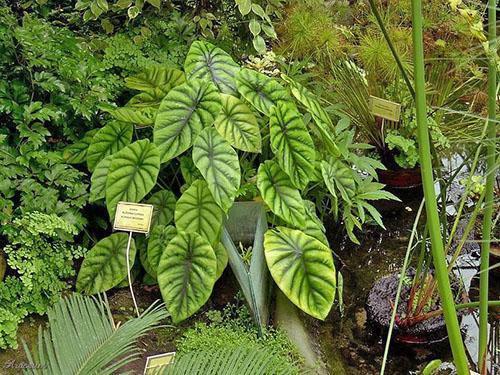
<point x="489" y="190"/>
<point x="437" y="248"/>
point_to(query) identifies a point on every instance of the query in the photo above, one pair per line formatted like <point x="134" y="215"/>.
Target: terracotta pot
<point x="401" y="178"/>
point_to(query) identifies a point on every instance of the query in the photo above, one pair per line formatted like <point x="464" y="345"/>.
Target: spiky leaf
<point x="159" y="238"/>
<point x="186" y="274"/>
<point x="206" y="61"/>
<point x="219" y="165"/>
<point x="108" y="140"/>
<point x="183" y="114"/>
<point x="338" y="175"/>
<point x="259" y="90"/>
<point x="303" y="269"/>
<point x="132" y="174"/>
<point x="279" y="193"/>
<point x="196" y="211"/>
<point x="98" y="179"/>
<point x="291" y="143"/>
<point x="105" y="265"/>
<point x="164" y="207"/>
<point x="238" y="125"/>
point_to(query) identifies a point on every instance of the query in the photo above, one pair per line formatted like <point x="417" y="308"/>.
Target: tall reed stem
<point x="489" y="190"/>
<point x="438" y="255"/>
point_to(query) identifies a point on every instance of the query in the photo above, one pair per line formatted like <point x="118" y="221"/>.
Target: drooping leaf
<point x="164" y="207"/>
<point x="197" y="211"/>
<point x="222" y="259"/>
<point x="159" y="238"/>
<point x="219" y="165"/>
<point x="132" y="174"/>
<point x="338" y="175"/>
<point x="98" y="179"/>
<point x="77" y="152"/>
<point x="186" y="274"/>
<point x="108" y="140"/>
<point x="238" y="125"/>
<point x="105" y="265"/>
<point x="206" y="61"/>
<point x="183" y="114"/>
<point x="156" y="81"/>
<point x="280" y="195"/>
<point x="259" y="90"/>
<point x="303" y="269"/>
<point x="291" y="143"/>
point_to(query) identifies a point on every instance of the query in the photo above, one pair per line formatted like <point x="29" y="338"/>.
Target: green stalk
<point x="437" y="248"/>
<point x="490" y="182"/>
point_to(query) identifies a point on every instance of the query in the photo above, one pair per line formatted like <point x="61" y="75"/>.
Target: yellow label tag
<point x="155" y="363"/>
<point x="133" y="217"/>
<point x="385" y="108"/>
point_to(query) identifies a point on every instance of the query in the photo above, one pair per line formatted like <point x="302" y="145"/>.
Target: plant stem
<point x="437" y="248"/>
<point x="490" y="182"/>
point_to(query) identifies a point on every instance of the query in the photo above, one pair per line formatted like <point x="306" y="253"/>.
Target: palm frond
<point x="240" y="361"/>
<point x="82" y="338"/>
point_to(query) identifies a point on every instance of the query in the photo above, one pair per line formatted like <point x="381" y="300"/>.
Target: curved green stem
<point x="438" y="255"/>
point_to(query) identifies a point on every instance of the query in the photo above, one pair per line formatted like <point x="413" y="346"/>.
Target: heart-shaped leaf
<point x="206" y="61"/>
<point x="183" y="114"/>
<point x="238" y="125"/>
<point x="186" y="274"/>
<point x="259" y="90"/>
<point x="156" y="81"/>
<point x="303" y="269"/>
<point x="105" y="265"/>
<point x="108" y="140"/>
<point x="280" y="195"/>
<point x="77" y="152"/>
<point x="164" y="207"/>
<point x="197" y="211"/>
<point x="158" y="240"/>
<point x="98" y="179"/>
<point x="132" y="174"/>
<point x="291" y="143"/>
<point x="219" y="165"/>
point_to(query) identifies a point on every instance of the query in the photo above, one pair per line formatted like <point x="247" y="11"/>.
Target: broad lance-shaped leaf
<point x="98" y="179"/>
<point x="139" y="116"/>
<point x="303" y="269"/>
<point x="259" y="90"/>
<point x="219" y="165"/>
<point x="77" y="152"/>
<point x="156" y="81"/>
<point x="238" y="125"/>
<point x="280" y="195"/>
<point x="206" y="61"/>
<point x="338" y="175"/>
<point x="108" y="140"/>
<point x="183" y="114"/>
<point x="132" y="174"/>
<point x="291" y="143"/>
<point x="196" y="211"/>
<point x="222" y="259"/>
<point x="159" y="238"/>
<point x="186" y="274"/>
<point x="105" y="265"/>
<point x="164" y="207"/>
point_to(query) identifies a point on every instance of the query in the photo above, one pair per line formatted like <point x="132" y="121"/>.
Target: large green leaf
<point x="259" y="90"/>
<point x="186" y="274"/>
<point x="279" y="193"/>
<point x="156" y="81"/>
<point x="314" y="227"/>
<point x="303" y="269"/>
<point x="338" y="175"/>
<point x="183" y="114"/>
<point x="164" y="206"/>
<point x="291" y="143"/>
<point x="238" y="125"/>
<point x="132" y="174"/>
<point x="197" y="211"/>
<point x="159" y="238"/>
<point x="98" y="179"/>
<point x="105" y="265"/>
<point x="140" y="116"/>
<point x="108" y="140"/>
<point x="219" y="165"/>
<point x="204" y="60"/>
<point x="77" y="152"/>
<point x="222" y="259"/>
